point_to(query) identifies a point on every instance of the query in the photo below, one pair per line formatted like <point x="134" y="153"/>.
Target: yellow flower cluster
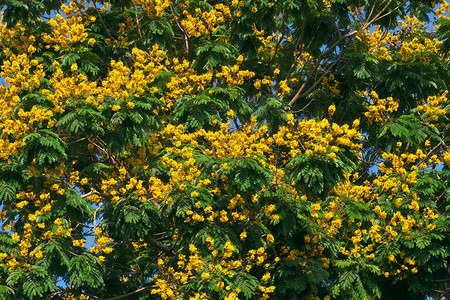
<point x="377" y="41"/>
<point x="66" y="30"/>
<point x="153" y="8"/>
<point x="158" y="189"/>
<point x="409" y="50"/>
<point x="434" y="107"/>
<point x="283" y="88"/>
<point x="66" y="88"/>
<point x="194" y="25"/>
<point x="398" y="181"/>
<point x="201" y="22"/>
<point x="268" y="42"/>
<point x="329" y="83"/>
<point x="384" y="44"/>
<point x="317" y="137"/>
<point x="443" y="12"/>
<point x="103" y="242"/>
<point x="69" y="296"/>
<point x="187" y="82"/>
<point x="122" y="81"/>
<point x="193" y="266"/>
<point x="233" y="75"/>
<point x="20" y="38"/>
<point x="327" y="3"/>
<point x="20" y="74"/>
<point x="30" y="238"/>
<point x="379" y="109"/>
<point x="446" y="158"/>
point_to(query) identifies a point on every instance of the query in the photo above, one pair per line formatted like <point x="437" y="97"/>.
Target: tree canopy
<point x="162" y="149"/>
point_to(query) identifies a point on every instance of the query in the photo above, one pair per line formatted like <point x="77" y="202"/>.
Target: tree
<point x="224" y="149"/>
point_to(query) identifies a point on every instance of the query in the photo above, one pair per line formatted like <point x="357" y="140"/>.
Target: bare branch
<point x="103" y="22"/>
<point x="160" y="246"/>
<point x="341" y="38"/>
<point x="143" y="289"/>
<point x="186" y="35"/>
<point x="90" y="193"/>
<point x="371" y="10"/>
<point x="299" y="93"/>
<point x="137" y="22"/>
<point x="299" y="41"/>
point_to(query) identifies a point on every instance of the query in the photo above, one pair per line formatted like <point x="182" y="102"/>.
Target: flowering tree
<point x="224" y="149"/>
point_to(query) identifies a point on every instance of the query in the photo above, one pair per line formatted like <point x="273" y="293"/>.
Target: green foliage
<point x="161" y="150"/>
<point x="358" y="279"/>
<point x="84" y="271"/>
<point x="45" y="146"/>
<point x="26" y="11"/>
<point x="315" y="176"/>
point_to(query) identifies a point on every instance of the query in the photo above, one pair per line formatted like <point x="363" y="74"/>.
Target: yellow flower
<point x="115" y="107"/>
<point x="331" y="109"/>
<point x="265" y="277"/>
<point x="220" y="285"/>
<point x="332" y="155"/>
<point x="274" y="217"/>
<point x="74" y="67"/>
<point x="315" y="206"/>
<point x="21" y="204"/>
<point x="192" y="248"/>
<point x="230" y="114"/>
<point x="107" y="250"/>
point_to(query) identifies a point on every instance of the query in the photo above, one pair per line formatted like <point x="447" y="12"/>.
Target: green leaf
<point x="44" y="145"/>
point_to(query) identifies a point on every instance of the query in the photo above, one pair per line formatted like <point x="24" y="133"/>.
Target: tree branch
<point x="160" y="246"/>
<point x="300" y="93"/>
<point x="103" y="22"/>
<point x="186" y="35"/>
<point x="132" y="293"/>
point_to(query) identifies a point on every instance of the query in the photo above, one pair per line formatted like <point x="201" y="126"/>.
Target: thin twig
<point x="132" y="293"/>
<point x="103" y="22"/>
<point x="137" y="22"/>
